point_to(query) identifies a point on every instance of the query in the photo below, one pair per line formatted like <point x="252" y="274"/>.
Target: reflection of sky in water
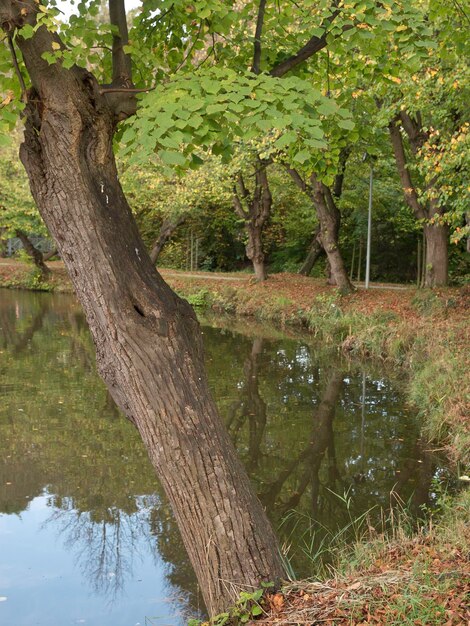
<point x="43" y="585"/>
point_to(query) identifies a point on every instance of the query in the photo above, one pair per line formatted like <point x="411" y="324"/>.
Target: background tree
<point x="428" y="124"/>
<point x="163" y="201"/>
<point x="19" y="216"/>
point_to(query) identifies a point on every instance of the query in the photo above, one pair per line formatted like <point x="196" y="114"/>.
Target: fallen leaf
<point x="277" y="602"/>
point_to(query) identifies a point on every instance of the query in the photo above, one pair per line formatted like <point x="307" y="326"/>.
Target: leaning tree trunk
<point x="148" y="341"/>
<point x="35" y="254"/>
<point x="167" y="228"/>
<point x="437" y="256"/>
<point x="329" y="219"/>
<point x="314" y="253"/>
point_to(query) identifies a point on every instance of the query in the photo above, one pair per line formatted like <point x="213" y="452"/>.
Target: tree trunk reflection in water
<point x="253" y="407"/>
<point x="321" y="440"/>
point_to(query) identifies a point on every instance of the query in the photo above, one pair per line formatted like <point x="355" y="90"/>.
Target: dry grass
<point x="422" y="580"/>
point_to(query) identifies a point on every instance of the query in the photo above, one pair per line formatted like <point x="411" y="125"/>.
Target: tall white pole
<point x="369" y="228"/>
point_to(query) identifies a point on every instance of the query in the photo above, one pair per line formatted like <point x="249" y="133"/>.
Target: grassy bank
<point x="404" y="574"/>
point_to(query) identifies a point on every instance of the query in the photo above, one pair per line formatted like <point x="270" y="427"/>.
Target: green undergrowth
<point x="30" y="279"/>
<point x="247" y="607"/>
<point x="431" y="555"/>
<point x="447" y="525"/>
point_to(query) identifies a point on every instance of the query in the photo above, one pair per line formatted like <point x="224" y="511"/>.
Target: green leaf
<point x="327" y="107"/>
<point x="27" y="31"/>
<point x="285" y="140"/>
<point x="347" y="124"/>
<point x="302" y="156"/>
<point x="172" y="158"/>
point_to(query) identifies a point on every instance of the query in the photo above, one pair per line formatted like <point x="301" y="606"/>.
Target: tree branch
<point x="297" y="178"/>
<point x="339" y="178"/>
<point x="104" y="90"/>
<point x="16" y="66"/>
<point x="411" y="197"/>
<point x="414" y="130"/>
<point x="238" y="206"/>
<point x="167" y="228"/>
<point x="313" y="45"/>
<point x="122" y="64"/>
<point x="264" y="193"/>
<point x="256" y="67"/>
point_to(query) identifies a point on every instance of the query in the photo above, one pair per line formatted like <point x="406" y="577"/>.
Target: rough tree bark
<point x="436" y="235"/>
<point x="36" y="255"/>
<point x="167" y="228"/>
<point x="148" y="342"/>
<point x="254" y="209"/>
<point x="329" y="219"/>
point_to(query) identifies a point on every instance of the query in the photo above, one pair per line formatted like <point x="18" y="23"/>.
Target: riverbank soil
<point x="290" y="294"/>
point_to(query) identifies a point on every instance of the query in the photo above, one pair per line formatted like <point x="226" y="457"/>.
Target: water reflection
<point x="106" y="543"/>
<point x="306" y="426"/>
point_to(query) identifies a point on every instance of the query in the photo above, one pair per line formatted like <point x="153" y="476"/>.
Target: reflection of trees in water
<point x="307" y="432"/>
<point x="321" y="440"/>
<point x="60" y="428"/>
<point x="298" y="426"/>
<point x="250" y="407"/>
<point x="107" y="542"/>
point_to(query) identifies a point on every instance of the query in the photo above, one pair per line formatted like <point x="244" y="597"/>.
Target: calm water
<point x="86" y="535"/>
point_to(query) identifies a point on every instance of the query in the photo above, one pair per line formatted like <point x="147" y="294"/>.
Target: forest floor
<point x="403" y="576"/>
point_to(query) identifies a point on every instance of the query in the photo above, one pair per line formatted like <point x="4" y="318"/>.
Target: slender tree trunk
<point x="359" y="261"/>
<point x="35" y="254"/>
<point x="418" y="264"/>
<point x="437" y="243"/>
<point x="148" y="341"/>
<point x="167" y="228"/>
<point x="467" y="221"/>
<point x="314" y="253"/>
<point x="351" y="271"/>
